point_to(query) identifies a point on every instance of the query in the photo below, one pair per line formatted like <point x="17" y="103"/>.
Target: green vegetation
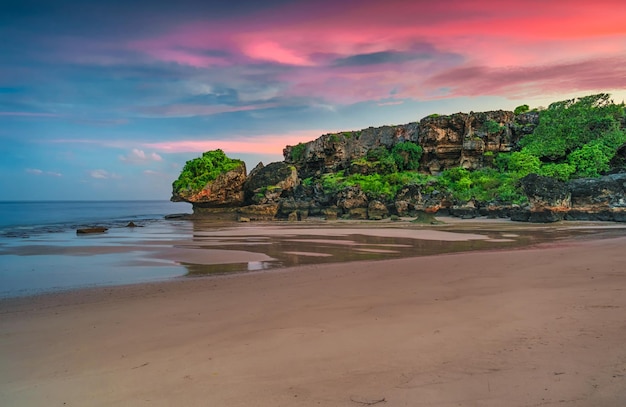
<point x="404" y="156"/>
<point x="198" y="172"/>
<point x="375" y="186"/>
<point x="583" y="133"/>
<point x="521" y="109"/>
<point x="484" y="185"/>
<point x="407" y="155"/>
<point x="492" y="126"/>
<point x="297" y="152"/>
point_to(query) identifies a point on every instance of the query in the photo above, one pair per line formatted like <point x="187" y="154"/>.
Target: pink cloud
<point x="273" y="51"/>
<point x="589" y="75"/>
<point x="492" y="34"/>
<point x="303" y="42"/>
<point x="262" y="144"/>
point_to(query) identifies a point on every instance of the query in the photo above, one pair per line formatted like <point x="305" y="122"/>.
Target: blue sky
<point x="101" y="100"/>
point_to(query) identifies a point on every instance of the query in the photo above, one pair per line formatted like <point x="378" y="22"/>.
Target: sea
<point x="40" y="250"/>
<point x="26" y="219"/>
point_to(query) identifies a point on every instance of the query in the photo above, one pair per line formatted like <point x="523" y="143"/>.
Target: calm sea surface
<point x="26" y="218"/>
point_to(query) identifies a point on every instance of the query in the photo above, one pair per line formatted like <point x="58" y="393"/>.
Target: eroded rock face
<point x="549" y="199"/>
<point x="225" y="191"/>
<point x="462" y="139"/>
<point x="598" y="198"/>
<point x="335" y="152"/>
<point x="353" y="202"/>
<point x="377" y="210"/>
<point x="266" y="185"/>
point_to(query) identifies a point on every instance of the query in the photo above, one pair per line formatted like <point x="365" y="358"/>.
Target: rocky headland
<point x="443" y="164"/>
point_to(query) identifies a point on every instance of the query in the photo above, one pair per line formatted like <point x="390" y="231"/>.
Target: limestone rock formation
<point x="266" y="185"/>
<point x="462" y="139"/>
<point x="353" y="202"/>
<point x="296" y="189"/>
<point x="335" y="152"/>
<point x="225" y="191"/>
<point x="549" y="198"/>
<point x="598" y="198"/>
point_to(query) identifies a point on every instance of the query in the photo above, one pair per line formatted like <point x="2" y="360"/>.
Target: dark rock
<point x="259" y="212"/>
<point x="177" y="216"/>
<point x="520" y="215"/>
<point x="268" y="184"/>
<point x="377" y="210"/>
<point x="331" y="213"/>
<point x="425" y="218"/>
<point x="467" y="210"/>
<point x="545" y="216"/>
<point x="88" y="231"/>
<point x="357" y="213"/>
<point x="598" y="194"/>
<point x="549" y="198"/>
<point x="131" y="225"/>
<point x="351" y="198"/>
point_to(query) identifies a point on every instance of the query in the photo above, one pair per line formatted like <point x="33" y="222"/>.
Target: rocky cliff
<point x="299" y="187"/>
<point x="460" y="139"/>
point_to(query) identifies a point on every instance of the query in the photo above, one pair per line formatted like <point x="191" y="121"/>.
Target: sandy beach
<point x="538" y="326"/>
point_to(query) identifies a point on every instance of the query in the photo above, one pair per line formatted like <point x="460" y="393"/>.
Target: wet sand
<point x="522" y="327"/>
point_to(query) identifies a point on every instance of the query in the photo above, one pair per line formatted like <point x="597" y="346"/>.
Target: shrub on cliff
<point x="198" y="172"/>
<point x="521" y="109"/>
<point x="566" y="126"/>
<point x="407" y="155"/>
<point x="297" y="152"/>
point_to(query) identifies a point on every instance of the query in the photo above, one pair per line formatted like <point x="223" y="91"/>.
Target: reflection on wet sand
<point x="165" y="250"/>
<point x="288" y="246"/>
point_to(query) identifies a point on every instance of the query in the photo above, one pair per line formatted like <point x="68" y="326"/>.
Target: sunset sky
<point x="106" y="100"/>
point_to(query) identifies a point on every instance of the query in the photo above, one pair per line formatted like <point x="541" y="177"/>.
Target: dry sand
<point x="533" y="327"/>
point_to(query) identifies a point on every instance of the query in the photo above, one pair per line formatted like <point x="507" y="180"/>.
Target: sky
<point x="107" y="100"/>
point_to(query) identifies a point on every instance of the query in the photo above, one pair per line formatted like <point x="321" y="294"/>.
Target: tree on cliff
<point x="577" y="136"/>
<point x="197" y="173"/>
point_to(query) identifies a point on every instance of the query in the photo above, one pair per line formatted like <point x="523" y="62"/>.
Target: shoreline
<point x="211" y="250"/>
<point x="528" y="326"/>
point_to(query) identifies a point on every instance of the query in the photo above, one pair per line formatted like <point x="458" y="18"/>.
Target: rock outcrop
<point x="225" y="191"/>
<point x="267" y="184"/>
<point x="335" y="152"/>
<point x="550" y="200"/>
<point x="460" y="139"/>
<point x="295" y="189"/>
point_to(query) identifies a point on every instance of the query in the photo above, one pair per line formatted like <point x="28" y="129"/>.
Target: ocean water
<point x="41" y="252"/>
<point x="25" y="219"/>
